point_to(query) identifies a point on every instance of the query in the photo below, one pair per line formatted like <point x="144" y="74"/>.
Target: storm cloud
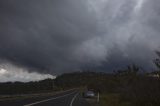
<point x="56" y="36"/>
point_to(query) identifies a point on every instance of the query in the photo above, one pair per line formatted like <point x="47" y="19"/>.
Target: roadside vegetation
<point x="134" y="89"/>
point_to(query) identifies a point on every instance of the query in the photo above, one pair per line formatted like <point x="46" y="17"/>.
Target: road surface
<point x="68" y="98"/>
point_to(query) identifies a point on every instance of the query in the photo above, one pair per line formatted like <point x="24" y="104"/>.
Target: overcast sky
<point x="57" y="36"/>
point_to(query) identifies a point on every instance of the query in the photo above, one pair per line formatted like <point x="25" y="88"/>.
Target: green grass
<point x="112" y="100"/>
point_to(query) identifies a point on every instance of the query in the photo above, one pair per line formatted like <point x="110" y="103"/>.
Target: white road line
<point x="31" y="104"/>
<point x="73" y="99"/>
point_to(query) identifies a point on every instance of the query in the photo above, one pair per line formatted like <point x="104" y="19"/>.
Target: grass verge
<point x="112" y="100"/>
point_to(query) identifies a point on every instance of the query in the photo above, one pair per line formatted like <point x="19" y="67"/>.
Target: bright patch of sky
<point x="12" y="73"/>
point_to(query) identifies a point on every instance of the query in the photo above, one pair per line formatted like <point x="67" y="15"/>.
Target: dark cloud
<point x="58" y="36"/>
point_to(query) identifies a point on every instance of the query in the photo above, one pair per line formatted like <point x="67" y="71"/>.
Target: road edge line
<point x="74" y="98"/>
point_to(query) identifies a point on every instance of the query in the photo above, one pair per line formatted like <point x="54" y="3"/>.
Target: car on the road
<point x="88" y="94"/>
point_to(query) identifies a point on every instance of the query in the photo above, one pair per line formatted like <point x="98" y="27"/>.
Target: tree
<point x="157" y="61"/>
<point x="134" y="69"/>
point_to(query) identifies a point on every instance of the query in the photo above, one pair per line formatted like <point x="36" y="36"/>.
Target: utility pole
<point x="98" y="97"/>
<point x="53" y="85"/>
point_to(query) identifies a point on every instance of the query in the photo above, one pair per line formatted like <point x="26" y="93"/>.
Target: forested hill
<point x="26" y="88"/>
<point x="62" y="82"/>
<point x="84" y="79"/>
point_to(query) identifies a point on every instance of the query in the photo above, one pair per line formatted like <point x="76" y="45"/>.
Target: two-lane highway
<point x="67" y="98"/>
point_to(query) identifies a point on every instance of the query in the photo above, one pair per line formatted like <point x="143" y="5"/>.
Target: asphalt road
<point x="68" y="98"/>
